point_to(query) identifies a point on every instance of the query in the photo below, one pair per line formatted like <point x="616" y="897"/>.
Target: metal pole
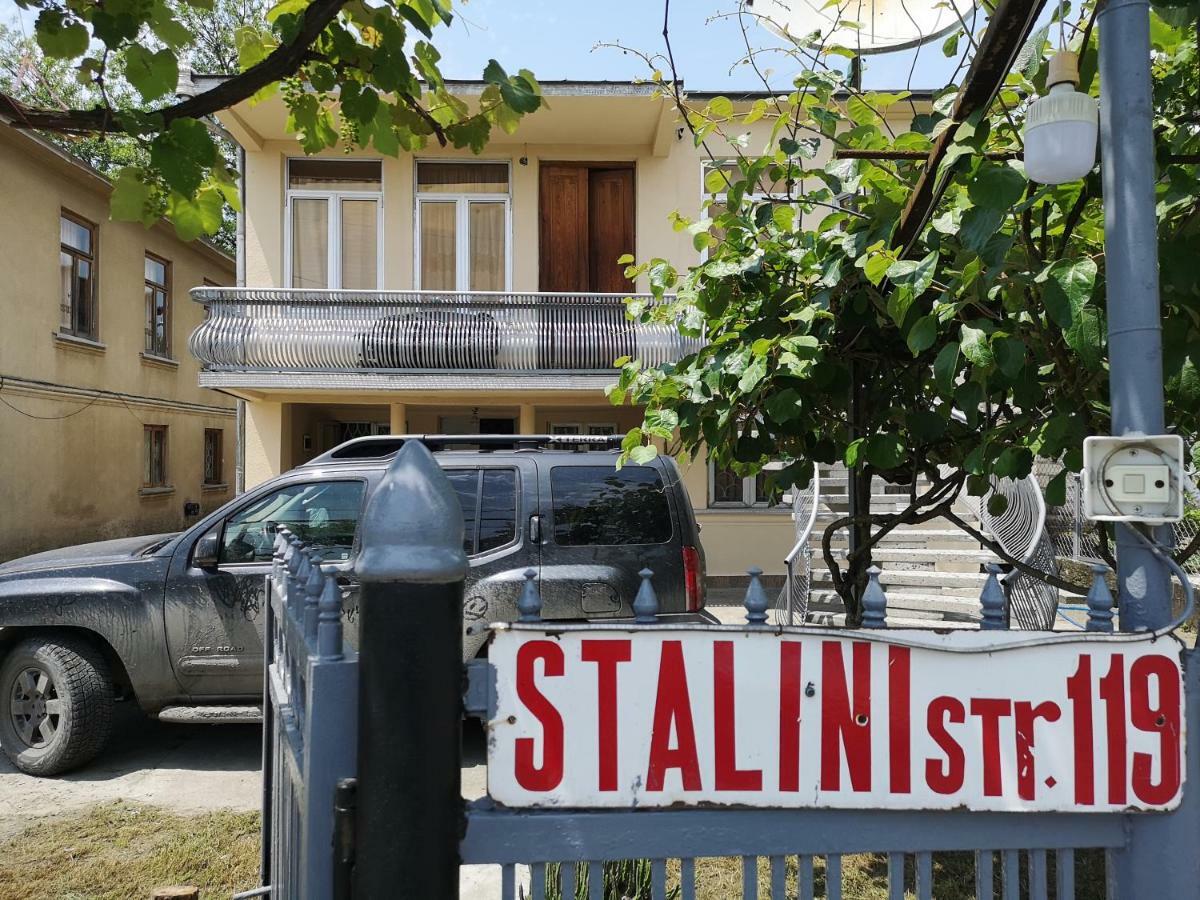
<point x="1140" y="869"/>
<point x="410" y="813"/>
<point x="1131" y="273"/>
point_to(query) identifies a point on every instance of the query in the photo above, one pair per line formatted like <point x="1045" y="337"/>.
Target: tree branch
<point x="1031" y="571"/>
<point x="283" y="61"/>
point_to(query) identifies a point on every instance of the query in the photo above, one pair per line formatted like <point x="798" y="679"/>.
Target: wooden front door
<point x="586" y="222"/>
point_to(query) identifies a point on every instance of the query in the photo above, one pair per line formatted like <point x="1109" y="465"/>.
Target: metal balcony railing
<point x="274" y="330"/>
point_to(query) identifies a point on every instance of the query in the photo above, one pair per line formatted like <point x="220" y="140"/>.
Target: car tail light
<point x="693" y="583"/>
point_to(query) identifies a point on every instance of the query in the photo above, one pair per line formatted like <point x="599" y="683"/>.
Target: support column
<point x="527" y="423"/>
<point x="398" y="418"/>
<point x="268" y="450"/>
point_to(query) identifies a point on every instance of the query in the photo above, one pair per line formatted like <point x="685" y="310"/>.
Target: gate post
<point x="411" y="566"/>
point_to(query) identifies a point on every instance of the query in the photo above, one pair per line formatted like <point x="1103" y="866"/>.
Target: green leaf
<point x="950" y="45"/>
<point x="154" y="74"/>
<point x="286" y="8"/>
<point x="753" y="375"/>
<point x="1086" y="337"/>
<point x="661" y="422"/>
<point x="922" y="335"/>
<point x="59" y="38"/>
<point x="193" y="218"/>
<point x="784" y="406"/>
<point x="996" y="186"/>
<point x="945" y="368"/>
<point x="975" y="347"/>
<point x="182" y="154"/>
<point x="997" y="504"/>
<point x="520" y="94"/>
<point x="917" y="274"/>
<point x="1066" y="288"/>
<point x="884" y="451"/>
<point x="130" y="200"/>
<point x="853" y="451"/>
<point x="720" y="107"/>
<point x="979" y="223"/>
<point x="643" y="453"/>
<point x="1056" y="489"/>
<point x="717" y="181"/>
<point x="1010" y="355"/>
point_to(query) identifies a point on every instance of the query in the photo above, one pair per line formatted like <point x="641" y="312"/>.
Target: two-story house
<point x="443" y="292"/>
<point x="104" y="430"/>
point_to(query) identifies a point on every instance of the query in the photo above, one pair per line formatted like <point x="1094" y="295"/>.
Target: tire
<point x="56" y="704"/>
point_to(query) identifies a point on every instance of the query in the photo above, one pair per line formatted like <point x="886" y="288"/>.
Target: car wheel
<point x="56" y="701"/>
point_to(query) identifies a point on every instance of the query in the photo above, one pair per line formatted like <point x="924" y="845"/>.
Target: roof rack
<point x="385" y="445"/>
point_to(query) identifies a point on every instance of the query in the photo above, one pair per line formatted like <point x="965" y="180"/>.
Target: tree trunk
<point x="858" y="490"/>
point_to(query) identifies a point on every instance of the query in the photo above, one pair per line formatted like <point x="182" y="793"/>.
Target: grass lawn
<point x="122" y="851"/>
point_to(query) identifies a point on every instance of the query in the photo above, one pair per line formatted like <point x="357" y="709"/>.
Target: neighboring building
<point x="442" y="292"/>
<point x="104" y="429"/>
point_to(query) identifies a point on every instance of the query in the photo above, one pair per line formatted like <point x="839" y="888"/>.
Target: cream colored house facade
<point x="509" y="313"/>
<point x="104" y="429"/>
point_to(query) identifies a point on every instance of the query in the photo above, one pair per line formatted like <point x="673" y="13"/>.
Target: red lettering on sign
<point x="549" y="774"/>
<point x="1161" y="719"/>
<point x="728" y="776"/>
<point x="1026" y="716"/>
<point x="1112" y="692"/>
<point x="606" y="654"/>
<point x="789" y="716"/>
<point x="672" y="706"/>
<point x="845" y="720"/>
<point x="1079" y="690"/>
<point x="945" y="778"/>
<point x="990" y="710"/>
<point x="899" y="742"/>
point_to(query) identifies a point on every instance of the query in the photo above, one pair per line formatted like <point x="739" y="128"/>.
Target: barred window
<point x="154" y="439"/>
<point x="214" y="439"/>
<point x="77" y="276"/>
<point x="727" y="488"/>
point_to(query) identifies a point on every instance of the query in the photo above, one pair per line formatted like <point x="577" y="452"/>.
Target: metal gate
<point x="411" y="830"/>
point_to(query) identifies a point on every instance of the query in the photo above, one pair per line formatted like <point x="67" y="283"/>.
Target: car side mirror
<point x="207" y="552"/>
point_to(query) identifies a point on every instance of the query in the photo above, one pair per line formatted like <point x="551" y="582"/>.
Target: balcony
<point x="363" y="339"/>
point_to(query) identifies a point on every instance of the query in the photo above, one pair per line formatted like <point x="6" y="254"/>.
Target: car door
<point x="214" y="616"/>
<point x="603" y="525"/>
<point x="498" y="500"/>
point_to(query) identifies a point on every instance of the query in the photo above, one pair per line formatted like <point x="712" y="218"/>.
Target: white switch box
<point x="1133" y="478"/>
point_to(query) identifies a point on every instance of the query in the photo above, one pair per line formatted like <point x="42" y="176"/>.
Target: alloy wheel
<point x="36" y="707"/>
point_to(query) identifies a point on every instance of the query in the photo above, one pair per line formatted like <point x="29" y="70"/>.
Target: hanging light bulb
<point x="1060" y="128"/>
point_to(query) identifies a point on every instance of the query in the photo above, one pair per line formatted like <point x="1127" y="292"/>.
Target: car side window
<point x="604" y="506"/>
<point x="325" y="514"/>
<point x="489" y="504"/>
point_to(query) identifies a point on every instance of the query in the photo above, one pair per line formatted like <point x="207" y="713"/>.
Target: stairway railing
<point x="791" y="607"/>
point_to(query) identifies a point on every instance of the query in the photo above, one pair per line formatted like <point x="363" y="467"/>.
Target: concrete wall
<point x="72" y="455"/>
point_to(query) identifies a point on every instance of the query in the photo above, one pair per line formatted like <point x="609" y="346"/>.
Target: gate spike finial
<point x="645" y="604"/>
<point x="313" y="585"/>
<point x="329" y="619"/>
<point x="756" y="601"/>
<point x="993" y="602"/>
<point x="1100" y="602"/>
<point x="529" y="604"/>
<point x="874" y="601"/>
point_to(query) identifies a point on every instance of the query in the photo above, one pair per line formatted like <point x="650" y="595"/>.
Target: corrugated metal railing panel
<point x="252" y="329"/>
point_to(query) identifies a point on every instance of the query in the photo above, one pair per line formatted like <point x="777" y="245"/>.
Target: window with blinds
<point x="463" y="226"/>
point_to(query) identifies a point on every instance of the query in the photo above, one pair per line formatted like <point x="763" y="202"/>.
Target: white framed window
<point x="463" y="225"/>
<point x="728" y="489"/>
<point x="333" y="224"/>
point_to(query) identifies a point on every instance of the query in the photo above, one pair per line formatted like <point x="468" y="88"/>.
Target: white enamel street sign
<point x="663" y="716"/>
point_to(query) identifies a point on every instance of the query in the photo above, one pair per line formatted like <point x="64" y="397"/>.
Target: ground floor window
<point x="728" y="489"/>
<point x="214" y="439"/>
<point x="154" y="440"/>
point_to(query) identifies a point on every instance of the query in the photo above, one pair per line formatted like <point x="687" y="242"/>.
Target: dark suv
<point x="175" y="621"/>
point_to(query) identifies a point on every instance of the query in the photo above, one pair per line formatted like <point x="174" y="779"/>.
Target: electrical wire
<point x="30" y="415"/>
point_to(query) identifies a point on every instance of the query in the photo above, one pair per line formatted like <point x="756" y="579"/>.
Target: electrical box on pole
<point x="1134" y="478"/>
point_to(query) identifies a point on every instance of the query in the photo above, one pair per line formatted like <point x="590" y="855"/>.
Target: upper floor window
<point x="334" y="223"/>
<point x="462" y="226"/>
<point x="77" y="274"/>
<point x="158" y="306"/>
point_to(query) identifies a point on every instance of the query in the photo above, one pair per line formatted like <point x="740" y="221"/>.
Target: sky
<point x="557" y="39"/>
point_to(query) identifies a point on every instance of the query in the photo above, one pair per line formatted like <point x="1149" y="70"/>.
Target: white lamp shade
<point x="1060" y="136"/>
